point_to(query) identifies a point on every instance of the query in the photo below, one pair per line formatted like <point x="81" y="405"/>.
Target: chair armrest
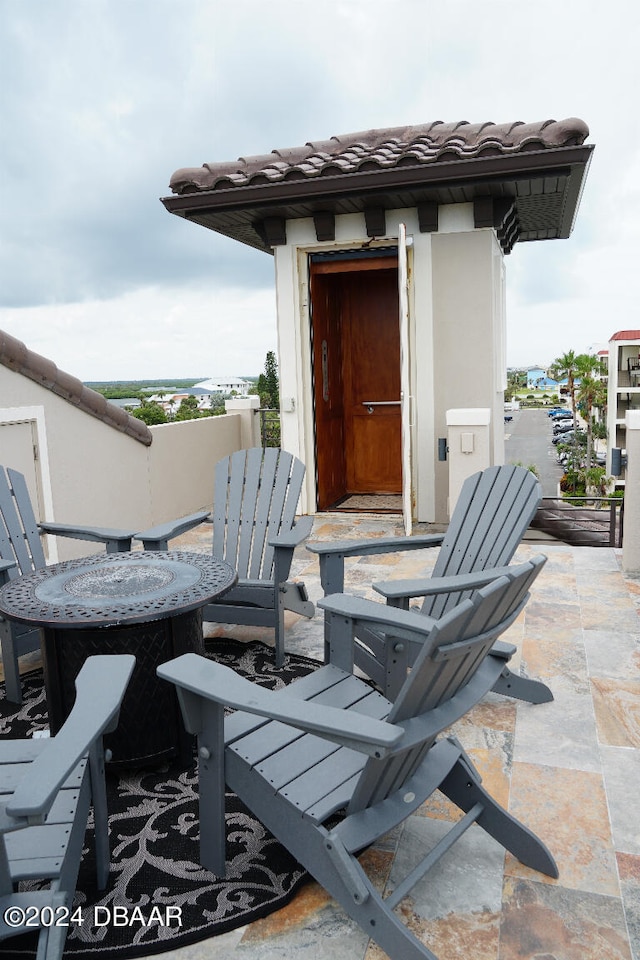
<point x="100" y="687"/>
<point x="402" y="589"/>
<point x="156" y="538"/>
<point x="299" y="532"/>
<point x="364" y="548"/>
<point x="332" y="555"/>
<point x="220" y="684"/>
<point x="399" y="623"/>
<point x="115" y="539"/>
<point x="503" y="650"/>
<point x="5" y="566"/>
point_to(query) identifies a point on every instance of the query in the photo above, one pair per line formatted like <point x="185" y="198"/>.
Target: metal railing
<point x="582" y="521"/>
<point x="269" y="427"/>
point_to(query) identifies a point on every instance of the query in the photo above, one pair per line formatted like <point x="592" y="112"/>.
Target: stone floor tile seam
<point x="569" y="892"/>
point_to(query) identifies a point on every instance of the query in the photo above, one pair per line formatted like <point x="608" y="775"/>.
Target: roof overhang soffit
<point x="533" y="195"/>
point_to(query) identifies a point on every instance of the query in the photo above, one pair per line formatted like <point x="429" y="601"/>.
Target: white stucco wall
<point x="631" y="544"/>
<point x="621" y="398"/>
<point x="468" y="334"/>
<point x="91" y="473"/>
<point x="456" y="296"/>
<point x="181" y="463"/>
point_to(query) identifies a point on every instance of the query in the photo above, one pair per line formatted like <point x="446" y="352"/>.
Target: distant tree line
<point x="153" y="413"/>
<point x="137" y="389"/>
<point x="267" y="387"/>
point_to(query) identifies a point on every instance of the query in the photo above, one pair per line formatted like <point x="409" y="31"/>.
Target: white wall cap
<point x="242" y="403"/>
<point x="632" y="419"/>
<point x="472" y="417"/>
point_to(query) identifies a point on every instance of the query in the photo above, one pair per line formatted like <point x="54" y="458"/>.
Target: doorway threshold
<point x="368" y="503"/>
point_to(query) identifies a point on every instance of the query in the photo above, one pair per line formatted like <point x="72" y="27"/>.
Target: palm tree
<point x="591" y="393"/>
<point x="565" y="366"/>
<point x="587" y="364"/>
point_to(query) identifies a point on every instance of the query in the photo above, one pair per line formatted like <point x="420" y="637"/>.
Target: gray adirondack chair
<point x="21" y="550"/>
<point x="256" y="496"/>
<point x="491" y="516"/>
<point x="330" y="743"/>
<point x="46" y="789"/>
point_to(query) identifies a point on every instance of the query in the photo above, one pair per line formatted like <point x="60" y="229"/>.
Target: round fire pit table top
<point x="109" y="589"/>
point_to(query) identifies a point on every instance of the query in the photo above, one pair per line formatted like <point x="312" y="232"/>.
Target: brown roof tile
<point x="525" y="180"/>
<point x="384" y="148"/>
<point x="17" y="357"/>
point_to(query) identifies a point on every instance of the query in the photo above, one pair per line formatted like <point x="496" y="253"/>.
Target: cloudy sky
<point x="101" y="100"/>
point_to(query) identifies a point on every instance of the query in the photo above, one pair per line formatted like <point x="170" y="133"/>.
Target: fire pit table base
<point x="150" y="728"/>
<point x="148" y="603"/>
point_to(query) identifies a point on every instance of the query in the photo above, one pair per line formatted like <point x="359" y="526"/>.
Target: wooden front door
<point x="356" y="361"/>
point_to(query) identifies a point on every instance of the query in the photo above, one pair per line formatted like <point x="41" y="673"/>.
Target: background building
<point x="623" y="387"/>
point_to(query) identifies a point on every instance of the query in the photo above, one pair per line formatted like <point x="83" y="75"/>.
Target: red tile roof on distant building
<point x="626" y="335"/>
<point x="17" y="357"/>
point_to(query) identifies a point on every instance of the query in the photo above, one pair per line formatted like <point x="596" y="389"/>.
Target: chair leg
<point x="462" y="786"/>
<point x="211" y="778"/>
<point x="380" y="923"/>
<point x="13" y="686"/>
<point x="396" y="668"/>
<point x="338" y="871"/>
<point x="100" y="814"/>
<point x="522" y="688"/>
<point x="350" y="886"/>
<point x="279" y="626"/>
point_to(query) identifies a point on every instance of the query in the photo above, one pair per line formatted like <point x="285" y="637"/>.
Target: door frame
<point x="34" y="417"/>
<point x="355" y="250"/>
<point x="406" y="399"/>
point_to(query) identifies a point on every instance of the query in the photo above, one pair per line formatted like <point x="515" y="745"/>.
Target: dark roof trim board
<point x="17" y="357"/>
<point x="529" y="178"/>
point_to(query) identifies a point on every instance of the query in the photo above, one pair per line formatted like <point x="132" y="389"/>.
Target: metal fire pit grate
<point x="108" y="589"/>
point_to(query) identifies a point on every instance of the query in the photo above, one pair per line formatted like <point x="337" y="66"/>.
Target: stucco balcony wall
<point x="80" y="469"/>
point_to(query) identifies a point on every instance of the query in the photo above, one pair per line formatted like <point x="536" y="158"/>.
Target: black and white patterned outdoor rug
<point x="154" y="832"/>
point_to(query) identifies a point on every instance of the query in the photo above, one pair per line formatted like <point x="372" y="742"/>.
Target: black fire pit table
<point x="145" y="603"/>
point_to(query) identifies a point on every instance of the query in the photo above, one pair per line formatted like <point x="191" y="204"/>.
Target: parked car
<point x="570" y="436"/>
<point x="563" y="427"/>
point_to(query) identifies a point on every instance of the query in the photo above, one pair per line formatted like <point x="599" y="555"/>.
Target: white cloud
<point x="153" y="332"/>
<point x="103" y="100"/>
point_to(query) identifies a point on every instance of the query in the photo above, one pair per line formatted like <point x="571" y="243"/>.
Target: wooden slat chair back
<point x="491" y="517"/>
<point x="330" y="766"/>
<point x="47" y="787"/>
<point x="256" y="496"/>
<point x="19" y="531"/>
<point x="21" y="547"/>
<point x="19" y="542"/>
<point x="458" y="643"/>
